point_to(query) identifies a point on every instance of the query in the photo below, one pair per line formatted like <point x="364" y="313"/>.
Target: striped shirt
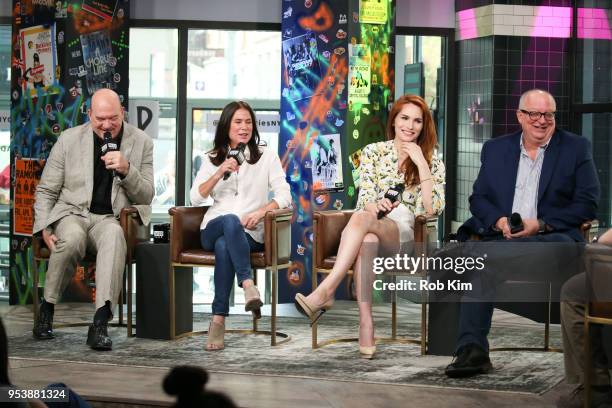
<point x="527" y="182"/>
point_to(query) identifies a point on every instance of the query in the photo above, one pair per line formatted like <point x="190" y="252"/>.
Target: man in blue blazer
<point x="546" y="175"/>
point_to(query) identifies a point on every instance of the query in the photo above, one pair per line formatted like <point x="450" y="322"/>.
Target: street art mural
<point x="337" y="79"/>
<point x="62" y="52"/>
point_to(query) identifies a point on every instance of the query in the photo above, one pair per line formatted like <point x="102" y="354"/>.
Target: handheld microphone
<point x="109" y="146"/>
<point x="393" y="194"/>
<point x="236" y="154"/>
<point x="516" y="223"/>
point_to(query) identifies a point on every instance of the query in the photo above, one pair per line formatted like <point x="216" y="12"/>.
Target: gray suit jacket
<point x="66" y="185"/>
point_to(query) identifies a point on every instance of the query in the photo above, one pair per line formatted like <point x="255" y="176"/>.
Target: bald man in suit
<point x="78" y="201"/>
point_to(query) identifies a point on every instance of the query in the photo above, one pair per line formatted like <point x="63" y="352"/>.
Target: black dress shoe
<point x="97" y="337"/>
<point x="470" y="360"/>
<point x="43" y="326"/>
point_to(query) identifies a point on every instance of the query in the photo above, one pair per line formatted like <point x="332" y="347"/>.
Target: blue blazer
<point x="567" y="195"/>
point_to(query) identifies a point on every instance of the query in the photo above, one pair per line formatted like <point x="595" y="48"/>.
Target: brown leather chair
<point x="598" y="310"/>
<point x="546" y="312"/>
<point x="327" y="229"/>
<point x="186" y="251"/>
<point x="134" y="232"/>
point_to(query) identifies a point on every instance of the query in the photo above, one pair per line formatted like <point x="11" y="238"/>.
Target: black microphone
<point x="393" y="194"/>
<point x="109" y="146"/>
<point x="236" y="154"/>
<point x="516" y="223"/>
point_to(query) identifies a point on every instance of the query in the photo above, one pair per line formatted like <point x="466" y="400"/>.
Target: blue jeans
<point x="474" y="316"/>
<point x="232" y="246"/>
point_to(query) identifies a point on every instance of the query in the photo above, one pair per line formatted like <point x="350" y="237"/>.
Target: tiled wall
<point x="522" y="63"/>
<point x="474" y="124"/>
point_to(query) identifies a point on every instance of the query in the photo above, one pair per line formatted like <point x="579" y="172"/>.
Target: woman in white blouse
<point x="232" y="227"/>
<point x="406" y="158"/>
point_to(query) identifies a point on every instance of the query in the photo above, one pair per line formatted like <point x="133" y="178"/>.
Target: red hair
<point x="427" y="140"/>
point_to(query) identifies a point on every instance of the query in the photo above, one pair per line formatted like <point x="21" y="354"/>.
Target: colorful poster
<point x="99" y="61"/>
<point x="326" y="164"/>
<point x="303" y="69"/>
<point x="359" y="74"/>
<point x="27" y="176"/>
<point x="373" y="11"/>
<point x="38" y="50"/>
<point x="104" y="9"/>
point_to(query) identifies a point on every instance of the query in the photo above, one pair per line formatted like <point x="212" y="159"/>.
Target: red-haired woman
<point x="407" y="157"/>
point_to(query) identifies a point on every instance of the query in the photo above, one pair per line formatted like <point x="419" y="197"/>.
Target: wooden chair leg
<point x="129" y="300"/>
<point x="171" y="303"/>
<point x="273" y="307"/>
<point x="313" y="328"/>
<point x="35" y="290"/>
<point x="253" y="314"/>
<point x="423" y="328"/>
<point x="587" y="364"/>
<point x="394" y="318"/>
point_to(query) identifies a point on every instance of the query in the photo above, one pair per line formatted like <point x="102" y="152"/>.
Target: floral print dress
<point x="378" y="171"/>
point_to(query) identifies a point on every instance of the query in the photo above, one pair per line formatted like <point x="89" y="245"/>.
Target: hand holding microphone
<point x="394" y="195"/>
<point x="113" y="159"/>
<point x="238" y="155"/>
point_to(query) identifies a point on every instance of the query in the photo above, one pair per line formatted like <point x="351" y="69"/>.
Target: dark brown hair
<point x="427" y="140"/>
<point x="222" y="140"/>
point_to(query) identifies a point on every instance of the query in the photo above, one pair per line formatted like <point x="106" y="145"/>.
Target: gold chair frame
<point x="423" y="226"/>
<point x="134" y="232"/>
<point x="277" y="233"/>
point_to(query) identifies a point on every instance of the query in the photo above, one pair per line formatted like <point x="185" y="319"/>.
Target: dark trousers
<point x="574" y="297"/>
<point x="232" y="246"/>
<point x="516" y="259"/>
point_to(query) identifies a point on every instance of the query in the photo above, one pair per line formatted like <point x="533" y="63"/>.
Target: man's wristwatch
<point x="541" y="226"/>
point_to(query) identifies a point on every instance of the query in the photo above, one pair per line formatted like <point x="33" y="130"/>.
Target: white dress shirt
<point x="244" y="191"/>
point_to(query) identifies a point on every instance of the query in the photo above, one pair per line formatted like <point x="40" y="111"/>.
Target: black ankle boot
<point x="97" y="337"/>
<point x="43" y="326"/>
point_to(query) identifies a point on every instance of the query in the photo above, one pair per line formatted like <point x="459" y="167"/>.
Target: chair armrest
<point x="598" y="259"/>
<point x="327" y="230"/>
<point x="277" y="236"/>
<point x="185" y="229"/>
<point x="425" y="228"/>
<point x="39" y="248"/>
<point x="134" y="230"/>
<point x="585" y="228"/>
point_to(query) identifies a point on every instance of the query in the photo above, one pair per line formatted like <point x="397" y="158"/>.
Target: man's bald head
<point x="537" y="93"/>
<point x="106" y="112"/>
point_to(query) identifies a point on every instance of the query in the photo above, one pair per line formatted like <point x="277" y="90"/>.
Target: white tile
<point x="530" y="20"/>
<point x="522" y="31"/>
<point x="485" y="31"/>
<point x="513" y="20"/>
<point x="503" y="30"/>
<point x="503" y="9"/>
<point x="523" y="11"/>
<point x="498" y="19"/>
<point x="543" y="11"/>
<point x="483" y="11"/>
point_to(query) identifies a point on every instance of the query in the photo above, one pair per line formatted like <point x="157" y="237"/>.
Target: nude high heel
<point x="367" y="352"/>
<point x="313" y="312"/>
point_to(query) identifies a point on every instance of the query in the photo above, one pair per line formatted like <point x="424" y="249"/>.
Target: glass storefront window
<point x="233" y="64"/>
<point x="597" y="127"/>
<point x="223" y="66"/>
<point x="153" y="77"/>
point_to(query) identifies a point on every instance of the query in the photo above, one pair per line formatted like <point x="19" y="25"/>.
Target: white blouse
<point x="244" y="191"/>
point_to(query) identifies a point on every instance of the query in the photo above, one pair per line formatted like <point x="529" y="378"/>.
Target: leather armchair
<point x="327" y="229"/>
<point x="186" y="251"/>
<point x="134" y="231"/>
<point x="598" y="308"/>
<point x="542" y="312"/>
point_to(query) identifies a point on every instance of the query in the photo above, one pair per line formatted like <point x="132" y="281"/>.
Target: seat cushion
<point x="328" y="262"/>
<point x="202" y="257"/>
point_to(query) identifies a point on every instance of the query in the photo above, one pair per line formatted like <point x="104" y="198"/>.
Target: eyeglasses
<point x="549" y="116"/>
